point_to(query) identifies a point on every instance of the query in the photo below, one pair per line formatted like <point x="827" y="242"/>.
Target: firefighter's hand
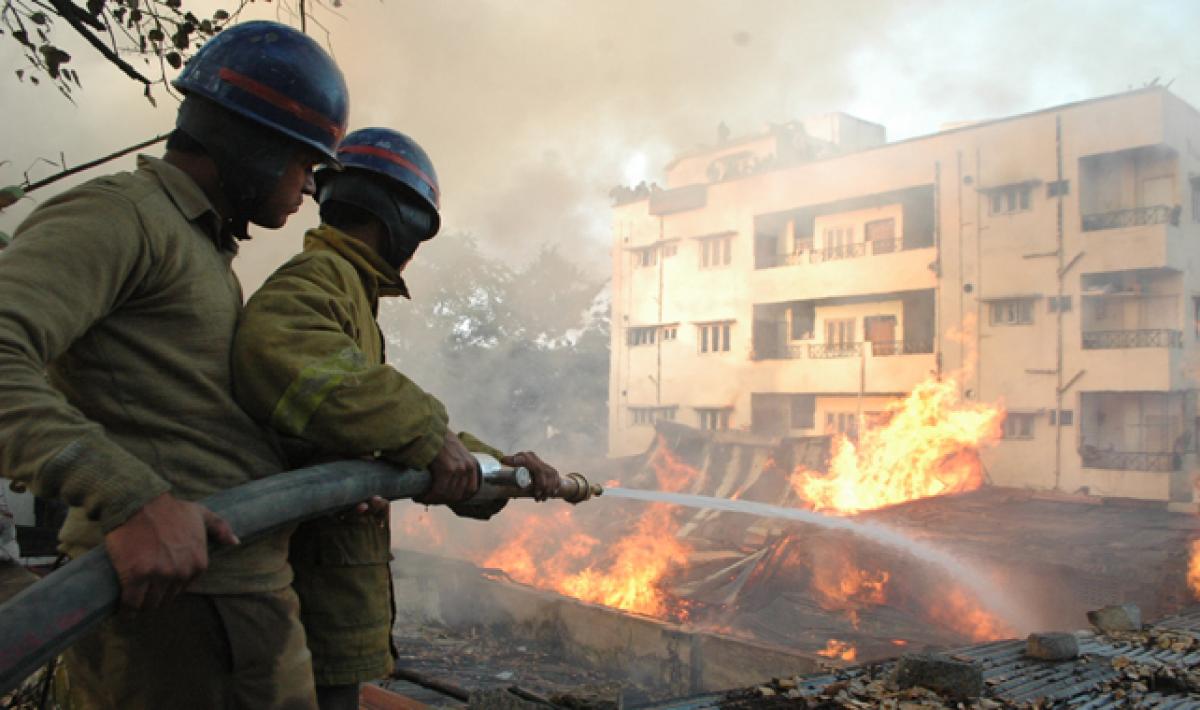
<point x="374" y="505"/>
<point x="545" y="476"/>
<point x="162" y="548"/>
<point x="455" y="474"/>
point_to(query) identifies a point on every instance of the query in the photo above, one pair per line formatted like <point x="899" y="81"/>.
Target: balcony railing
<point x="852" y="250"/>
<point x="828" y="351"/>
<point x="805" y="254"/>
<point x="1124" y="339"/>
<point x="1134" y="217"/>
<point x="1130" y="460"/>
<point x="901" y="347"/>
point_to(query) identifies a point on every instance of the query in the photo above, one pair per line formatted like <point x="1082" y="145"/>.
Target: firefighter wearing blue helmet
<point x="117" y="313"/>
<point x="316" y="316"/>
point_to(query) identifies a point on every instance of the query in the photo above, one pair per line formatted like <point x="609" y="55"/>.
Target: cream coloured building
<point x="794" y="282"/>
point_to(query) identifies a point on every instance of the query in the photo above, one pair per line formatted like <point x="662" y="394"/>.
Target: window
<point x="1018" y="426"/>
<point x="1056" y="304"/>
<point x="1011" y="198"/>
<point x="1012" y="311"/>
<point x="1196" y="199"/>
<point x="670" y="249"/>
<point x="645" y="257"/>
<point x="641" y="336"/>
<point x="802" y="316"/>
<point x="716" y="251"/>
<point x="1065" y="417"/>
<point x="839" y="331"/>
<point x="844" y="423"/>
<point x="643" y="416"/>
<point x="804" y="411"/>
<point x="716" y="419"/>
<point x="1058" y="187"/>
<point x="714" y="337"/>
<point x="668" y="332"/>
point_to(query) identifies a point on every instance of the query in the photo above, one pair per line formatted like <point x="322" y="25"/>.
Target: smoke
<point x="533" y="110"/>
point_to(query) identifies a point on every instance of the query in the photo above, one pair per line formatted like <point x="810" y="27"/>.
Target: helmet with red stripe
<point x="275" y="76"/>
<point x="392" y="178"/>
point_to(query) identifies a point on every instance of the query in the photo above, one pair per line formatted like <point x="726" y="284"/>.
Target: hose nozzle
<point x="502" y="482"/>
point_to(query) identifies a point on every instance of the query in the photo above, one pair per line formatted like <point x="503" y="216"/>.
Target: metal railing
<point x="1124" y="339"/>
<point x="828" y="351"/>
<point x="805" y="254"/>
<point x="1130" y="460"/>
<point x="889" y="348"/>
<point x="1132" y="217"/>
<point x="852" y="250"/>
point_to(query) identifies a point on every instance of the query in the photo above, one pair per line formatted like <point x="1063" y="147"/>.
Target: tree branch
<point x="93" y="163"/>
<point x="65" y="9"/>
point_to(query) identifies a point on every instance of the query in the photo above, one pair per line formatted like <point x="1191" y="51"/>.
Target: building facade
<point x="795" y="282"/>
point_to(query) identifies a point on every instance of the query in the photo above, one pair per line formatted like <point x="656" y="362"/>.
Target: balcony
<point x="1163" y="461"/>
<point x="830" y="351"/>
<point x="808" y="255"/>
<point x="1125" y="339"/>
<point x="1133" y="217"/>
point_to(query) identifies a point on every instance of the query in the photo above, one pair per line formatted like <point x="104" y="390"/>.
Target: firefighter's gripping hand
<point x="454" y="473"/>
<point x="162" y="548"/>
<point x="545" y="476"/>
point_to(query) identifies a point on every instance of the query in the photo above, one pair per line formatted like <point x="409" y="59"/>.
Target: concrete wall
<point x="439" y="591"/>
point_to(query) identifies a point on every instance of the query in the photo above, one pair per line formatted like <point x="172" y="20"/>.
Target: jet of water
<point x="954" y="567"/>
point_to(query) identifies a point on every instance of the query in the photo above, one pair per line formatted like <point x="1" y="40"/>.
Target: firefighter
<point x="309" y="361"/>
<point x="121" y="291"/>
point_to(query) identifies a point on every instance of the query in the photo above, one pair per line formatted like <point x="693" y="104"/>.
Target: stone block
<point x="1052" y="646"/>
<point x="1118" y="617"/>
<point x="958" y="680"/>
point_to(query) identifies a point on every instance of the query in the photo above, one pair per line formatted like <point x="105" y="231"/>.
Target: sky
<point x="533" y="110"/>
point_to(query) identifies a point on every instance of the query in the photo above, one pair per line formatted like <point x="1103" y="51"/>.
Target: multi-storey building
<point x="794" y="282"/>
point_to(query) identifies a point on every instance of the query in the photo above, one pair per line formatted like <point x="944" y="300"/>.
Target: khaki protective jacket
<point x="309" y="359"/>
<point x="117" y="312"/>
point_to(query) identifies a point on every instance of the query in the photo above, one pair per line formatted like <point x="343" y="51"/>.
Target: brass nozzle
<point x="574" y="488"/>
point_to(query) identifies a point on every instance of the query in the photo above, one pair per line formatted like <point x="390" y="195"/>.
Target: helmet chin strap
<point x="250" y="160"/>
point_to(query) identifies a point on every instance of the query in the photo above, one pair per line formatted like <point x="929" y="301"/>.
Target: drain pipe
<point x="47" y="617"/>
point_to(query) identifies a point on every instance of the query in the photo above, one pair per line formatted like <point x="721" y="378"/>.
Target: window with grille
<point x="1018" y="426"/>
<point x="645" y="257"/>
<point x="1014" y="311"/>
<point x="641" y="336"/>
<point x="804" y="411"/>
<point x="716" y="252"/>
<point x="714" y="337"/>
<point x="715" y="419"/>
<point x="643" y="416"/>
<point x="1011" y="199"/>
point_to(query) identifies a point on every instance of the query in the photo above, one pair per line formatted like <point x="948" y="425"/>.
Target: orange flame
<point x="927" y="447"/>
<point x="839" y="650"/>
<point x="841" y="586"/>
<point x="629" y="575"/>
<point x="1193" y="572"/>
<point x="959" y="612"/>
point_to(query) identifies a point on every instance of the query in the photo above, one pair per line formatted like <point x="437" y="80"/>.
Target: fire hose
<point x="46" y="618"/>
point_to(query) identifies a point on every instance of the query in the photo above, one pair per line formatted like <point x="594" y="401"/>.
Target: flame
<point x="840" y="650"/>
<point x="840" y="585"/>
<point x="959" y="612"/>
<point x="1193" y="572"/>
<point x="550" y="553"/>
<point x="927" y="447"/>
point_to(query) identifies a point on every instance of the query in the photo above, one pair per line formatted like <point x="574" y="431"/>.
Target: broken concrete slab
<point x="946" y="676"/>
<point x="1052" y="646"/>
<point x="1118" y="617"/>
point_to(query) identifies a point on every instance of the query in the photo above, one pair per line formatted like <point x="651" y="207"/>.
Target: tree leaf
<point x="10" y="194"/>
<point x="156" y="35"/>
<point x="95" y="7"/>
<point x="39" y="18"/>
<point x="174" y="59"/>
<point x="220" y="15"/>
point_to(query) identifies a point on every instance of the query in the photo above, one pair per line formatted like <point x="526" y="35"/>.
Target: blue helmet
<point x="390" y="176"/>
<point x="393" y="155"/>
<point x="275" y="76"/>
